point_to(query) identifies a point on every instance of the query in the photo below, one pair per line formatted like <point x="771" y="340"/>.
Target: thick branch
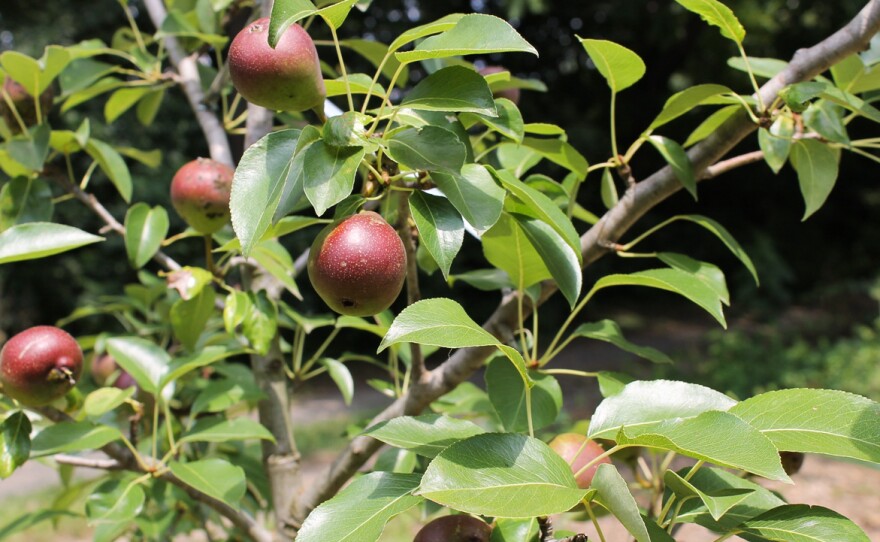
<point x="645" y="195"/>
<point x="188" y="72"/>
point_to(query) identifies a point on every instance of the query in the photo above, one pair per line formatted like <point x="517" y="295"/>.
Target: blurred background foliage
<point x="810" y="323"/>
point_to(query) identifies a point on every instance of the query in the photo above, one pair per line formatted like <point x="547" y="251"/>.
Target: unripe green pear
<point x="455" y="528"/>
<point x="286" y="78"/>
<point x="358" y="265"/>
<point x="40" y="365"/>
<point x="200" y="194"/>
<point x="577" y="450"/>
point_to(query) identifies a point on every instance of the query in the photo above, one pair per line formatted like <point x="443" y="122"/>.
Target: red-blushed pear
<point x="511" y="94"/>
<point x="286" y="78"/>
<point x="200" y="194"/>
<point x="358" y="265"/>
<point x="24" y="105"/>
<point x="40" y="365"/>
<point x="455" y="528"/>
<point x="577" y="450"/>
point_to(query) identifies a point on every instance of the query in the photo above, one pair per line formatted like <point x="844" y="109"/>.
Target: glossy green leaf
<point x="67" y="437"/>
<point x="190" y="316"/>
<point x="103" y="400"/>
<point x="734" y="444"/>
<point x="286" y="13"/>
<point x="761" y="67"/>
<point x="434" y="27"/>
<point x="454" y="88"/>
<point x="683" y="101"/>
<point x="258" y="183"/>
<point x="334" y="15"/>
<point x="274" y="259"/>
<point x="431" y="148"/>
<point x="358" y="83"/>
<point x="502" y="475"/>
<point x="441" y="228"/>
<point x="189" y="281"/>
<point x="559" y="152"/>
<point x="474" y="193"/>
<point x="260" y="326"/>
<point x="472" y="34"/>
<point x="426" y="435"/>
<point x="561" y="260"/>
<point x="711" y="124"/>
<point x="360" y="511"/>
<point x="40" y="239"/>
<point x="610" y="332"/>
<point x="711" y="275"/>
<point x="112" y="507"/>
<point x="219" y="429"/>
<point x="375" y="51"/>
<point x="15" y="442"/>
<point x="620" y="66"/>
<point x="717" y="14"/>
<point x="678" y="160"/>
<point x="341" y="376"/>
<point x="645" y="404"/>
<point x="507" y="247"/>
<point x="146" y="362"/>
<point x="24" y="200"/>
<point x="25" y="521"/>
<point x="672" y="280"/>
<point x="214" y="477"/>
<point x="329" y="174"/>
<point x="715" y="481"/>
<point x="235" y="309"/>
<point x="347" y="130"/>
<point x="515" y="530"/>
<point x="717" y="503"/>
<point x="236" y="385"/>
<point x="817" y="421"/>
<point x="507" y="392"/>
<point x="112" y="164"/>
<point x="145" y="229"/>
<point x="148" y="106"/>
<point x="800" y="522"/>
<point x="32" y="151"/>
<point x="122" y="100"/>
<point x="612" y="383"/>
<point x="293" y="192"/>
<point x="816" y="165"/>
<point x="508" y="122"/>
<point x="613" y="493"/>
<point x="440" y="322"/>
<point x="826" y="119"/>
<point x="487" y="280"/>
<point x="775" y="142"/>
<point x="608" y="189"/>
<point x="183" y="365"/>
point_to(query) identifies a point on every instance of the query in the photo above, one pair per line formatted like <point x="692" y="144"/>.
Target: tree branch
<point x="188" y="72"/>
<point x="647" y="194"/>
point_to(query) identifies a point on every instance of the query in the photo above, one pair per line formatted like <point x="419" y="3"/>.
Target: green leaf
<point x="441" y="228"/>
<point x="214" y="477"/>
<point x="219" y="429"/>
<point x="358" y="83"/>
<point x="274" y="258"/>
<point x="826" y="119"/>
<point x="717" y="14"/>
<point x="359" y="512"/>
<point x="122" y="100"/>
<point x="559" y="152"/>
<point x="28" y="520"/>
<point x="454" y="88"/>
<point x="678" y="160"/>
<point x="735" y="443"/>
<point x="258" y="183"/>
<point x="507" y="392"/>
<point x="177" y="24"/>
<point x="610" y="332"/>
<point x="237" y="384"/>
<point x="673" y="280"/>
<point x="334" y="15"/>
<point x="817" y="421"/>
<point x="148" y="107"/>
<point x="776" y="142"/>
<point x="430" y="148"/>
<point x="145" y="229"/>
<point x="714" y="481"/>
<point x="515" y="530"/>
<point x="426" y="435"/>
<point x="190" y="316"/>
<point x="506" y="247"/>
<point x="181" y="366"/>
<point x="711" y="275"/>
<point x="24" y="200"/>
<point x="347" y="130"/>
<point x="434" y="27"/>
<point x="682" y="102"/>
<point x="503" y="475"/>
<point x="608" y="190"/>
<point x="724" y="235"/>
<point x="260" y="326"/>
<point x="474" y="193"/>
<point x="15" y="442"/>
<point x="103" y="400"/>
<point x="761" y="67"/>
<point x="474" y="33"/>
<point x="508" y="122"/>
<point x="286" y="13"/>
<point x="40" y="239"/>
<point x="613" y="493"/>
<point x="800" y="522"/>
<point x="341" y="376"/>
<point x="112" y="164"/>
<point x="375" y="52"/>
<point x="621" y="67"/>
<point x="711" y="124"/>
<point x="718" y="503"/>
<point x="112" y="507"/>
<point x="645" y="404"/>
<point x="31" y="152"/>
<point x="562" y="262"/>
<point x="294" y="186"/>
<point x="329" y="173"/>
<point x="440" y="322"/>
<point x="66" y="437"/>
<point x="146" y="362"/>
<point x="612" y="383"/>
<point x="816" y="166"/>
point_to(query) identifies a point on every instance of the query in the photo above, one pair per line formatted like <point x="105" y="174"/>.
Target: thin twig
<point x="89" y="462"/>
